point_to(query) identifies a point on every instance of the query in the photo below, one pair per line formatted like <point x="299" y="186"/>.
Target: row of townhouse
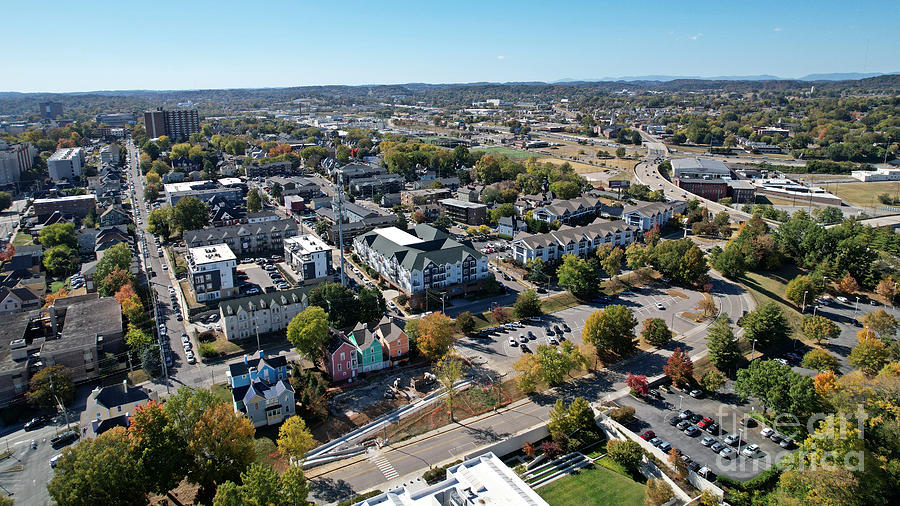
<point x="423" y="259"/>
<point x="246" y="239"/>
<point x="269" y="312"/>
<point x="578" y="241"/>
<point x="369" y="347"/>
<point x="565" y="211"/>
<point x="650" y="215"/>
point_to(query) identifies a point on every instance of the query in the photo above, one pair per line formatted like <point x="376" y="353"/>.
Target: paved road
<point x="393" y="464"/>
<point x="10" y="218"/>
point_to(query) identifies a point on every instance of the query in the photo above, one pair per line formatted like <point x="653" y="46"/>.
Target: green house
<point x="371" y="357"/>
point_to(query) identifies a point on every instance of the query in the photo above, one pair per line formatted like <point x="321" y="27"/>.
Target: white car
<point x="659" y="305"/>
<point x="750" y="450"/>
<point x="766" y="432"/>
<point x="842" y="299"/>
<point x="727" y="453"/>
<point x="513" y="342"/>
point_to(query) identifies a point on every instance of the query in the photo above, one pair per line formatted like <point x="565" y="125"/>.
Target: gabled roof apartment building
<point x="423" y="259"/>
<point x="269" y="312"/>
<point x="578" y="241"/>
<point x="245" y="239"/>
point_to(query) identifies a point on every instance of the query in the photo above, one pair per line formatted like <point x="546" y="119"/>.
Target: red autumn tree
<point x="679" y="368"/>
<point x="638" y="383"/>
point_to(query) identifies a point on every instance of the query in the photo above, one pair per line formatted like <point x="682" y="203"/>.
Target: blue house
<point x="261" y="389"/>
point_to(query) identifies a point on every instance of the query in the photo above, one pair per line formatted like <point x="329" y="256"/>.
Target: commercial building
<point x="110" y="154"/>
<point x="177" y="124"/>
<point x="245" y="239"/>
<point x="470" y="213"/>
<point x="709" y="188"/>
<point x="699" y="168"/>
<point x="211" y="272"/>
<point x="422" y="260"/>
<point x="414" y="198"/>
<point x="299" y="186"/>
<point x="261" y="389"/>
<point x="116" y="119"/>
<point x="879" y="174"/>
<point x="742" y="191"/>
<point x="383" y="183"/>
<point x="204" y="190"/>
<point x="51" y="110"/>
<point x="353" y="230"/>
<point x="309" y="256"/>
<point x="578" y="241"/>
<point x="484" y="479"/>
<point x="242" y="318"/>
<point x="352" y="171"/>
<point x="65" y="164"/>
<point x="76" y="206"/>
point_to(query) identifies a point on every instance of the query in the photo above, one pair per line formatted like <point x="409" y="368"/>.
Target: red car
<point x="648" y="435"/>
<point x="703" y="423"/>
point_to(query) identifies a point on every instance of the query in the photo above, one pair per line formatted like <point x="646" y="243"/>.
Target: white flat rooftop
<point x="397" y="236"/>
<point x="210" y="254"/>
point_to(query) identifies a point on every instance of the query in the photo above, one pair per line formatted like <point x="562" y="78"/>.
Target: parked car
<point x="727" y="453"/>
<point x="750" y="450"/>
<point x="55" y="459"/>
<point x="696" y="394"/>
<point x="786" y="443"/>
<point x="659" y="305"/>
<point x="684" y="424"/>
<point x="38" y="422"/>
<point x="766" y="432"/>
<point x="665" y="447"/>
<point x="63" y="439"/>
<point x="686" y="414"/>
<point x="731" y="439"/>
<point x="705" y="422"/>
<point x="712" y="428"/>
<point x="513" y="342"/>
<point x="691" y="431"/>
<point x="522" y="338"/>
<point x="717" y="447"/>
<point x="776" y="437"/>
<point x="648" y="435"/>
<point x="708" y="441"/>
<point x="655" y="441"/>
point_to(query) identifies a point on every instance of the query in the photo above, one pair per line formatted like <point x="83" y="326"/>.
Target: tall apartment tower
<point x="176" y="124"/>
<point x="51" y="110"/>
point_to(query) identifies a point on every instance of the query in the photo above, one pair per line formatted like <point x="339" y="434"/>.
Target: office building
<point x="699" y="168"/>
<point x="15" y="159"/>
<point x="117" y="119"/>
<point x="65" y="164"/>
<point x="177" y="124"/>
<point x="414" y="198"/>
<point x="211" y="272"/>
<point x="422" y="260"/>
<point x="711" y="188"/>
<point x="51" y="110"/>
<point x="76" y="206"/>
<point x="309" y="256"/>
<point x="204" y="190"/>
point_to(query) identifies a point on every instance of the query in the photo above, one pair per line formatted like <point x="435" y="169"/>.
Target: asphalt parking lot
<point x="495" y="352"/>
<point x="256" y="275"/>
<point x="843" y="314"/>
<point x="727" y="412"/>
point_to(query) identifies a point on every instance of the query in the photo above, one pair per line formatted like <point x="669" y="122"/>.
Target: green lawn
<point x="222" y="392"/>
<point x="593" y="485"/>
<point x="509" y="152"/>
<point x="559" y="302"/>
<point x="21" y="239"/>
<point x="57" y="286"/>
<point x="864" y="194"/>
<point x="770" y="287"/>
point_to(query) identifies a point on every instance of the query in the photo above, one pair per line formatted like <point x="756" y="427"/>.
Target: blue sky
<point x="99" y="45"/>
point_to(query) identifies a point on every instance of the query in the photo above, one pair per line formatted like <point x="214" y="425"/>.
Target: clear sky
<point x="98" y="45"/>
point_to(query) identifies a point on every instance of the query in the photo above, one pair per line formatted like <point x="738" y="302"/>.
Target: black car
<point x="557" y="329"/>
<point x="566" y="327"/>
<point x="63" y="439"/>
<point x="38" y="422"/>
<point x="712" y="428"/>
<point x="674" y="420"/>
<point x="696" y="417"/>
<point x="694" y="466"/>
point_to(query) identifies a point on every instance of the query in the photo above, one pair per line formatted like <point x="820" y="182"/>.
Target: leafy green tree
<point x="577" y="276"/>
<point x="151" y="362"/>
<point x="137" y="339"/>
<point x="308" y="333"/>
<point x="50" y="386"/>
<point x="158" y="448"/>
<point x="220" y="447"/>
<point x="680" y="260"/>
<point x="190" y="213"/>
<point x="819" y="329"/>
<point x="820" y="360"/>
<point x="730" y="261"/>
<point x="637" y="255"/>
<point x="370" y="305"/>
<point x="658" y="492"/>
<point x="766" y="325"/>
<point x="261" y="486"/>
<point x="724" y="352"/>
<point x="60" y="260"/>
<point x="253" y="201"/>
<point x="277" y="191"/>
<point x="5" y="201"/>
<point x="656" y="332"/>
<point x="449" y="371"/>
<point x="869" y="356"/>
<point x="882" y="323"/>
<point x="434" y="335"/>
<point x="612" y="261"/>
<point x="402" y="223"/>
<point x="338" y="300"/>
<point x="611" y="330"/>
<point x="465" y="323"/>
<point x="527" y="304"/>
<point x="159" y="221"/>
<point x="768" y="381"/>
<point x="118" y="256"/>
<point x="557" y="362"/>
<point x="59" y="234"/>
<point x="712" y="381"/>
<point x="565" y="189"/>
<point x="800" y="285"/>
<point x="102" y="470"/>
<point x="294" y="439"/>
<point x="626" y="453"/>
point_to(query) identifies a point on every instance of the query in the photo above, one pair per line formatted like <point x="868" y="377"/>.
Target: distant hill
<point x="836" y="76"/>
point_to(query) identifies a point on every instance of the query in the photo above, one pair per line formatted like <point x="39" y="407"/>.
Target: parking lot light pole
<point x="681" y="402"/>
<point x="740" y="436"/>
<point x="804" y="301"/>
<point x="856" y="309"/>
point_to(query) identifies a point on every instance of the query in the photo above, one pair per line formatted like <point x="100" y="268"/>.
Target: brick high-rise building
<point x="51" y="110"/>
<point x="177" y="124"/>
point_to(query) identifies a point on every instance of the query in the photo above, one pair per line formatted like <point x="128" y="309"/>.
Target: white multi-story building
<point x="211" y="272"/>
<point x="578" y="241"/>
<point x="110" y="154"/>
<point x="879" y="174"/>
<point x="65" y="164"/>
<point x="15" y="159"/>
<point x="652" y="214"/>
<point x="308" y="255"/>
<point x="270" y="312"/>
<point x="422" y="260"/>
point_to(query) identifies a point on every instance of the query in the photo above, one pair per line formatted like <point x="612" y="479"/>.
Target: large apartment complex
<point x="14" y="159"/>
<point x="308" y="255"/>
<point x="174" y="123"/>
<point x="269" y="312"/>
<point x="65" y="164"/>
<point x="578" y="241"/>
<point x="423" y="259"/>
<point x="245" y="238"/>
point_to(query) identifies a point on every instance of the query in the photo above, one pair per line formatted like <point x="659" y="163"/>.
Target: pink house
<point x="340" y="357"/>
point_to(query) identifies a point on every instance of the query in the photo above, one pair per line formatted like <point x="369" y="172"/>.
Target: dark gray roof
<point x="85" y="320"/>
<point x="436" y="247"/>
<point x="219" y="234"/>
<point x="575" y="234"/>
<point x="245" y="393"/>
<point x="116" y="395"/>
<point x="241" y="368"/>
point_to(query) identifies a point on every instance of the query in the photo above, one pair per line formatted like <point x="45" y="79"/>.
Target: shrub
<point x="436" y="474"/>
<point x="207" y="337"/>
<point x="623" y="414"/>
<point x="207" y="350"/>
<point x="551" y="449"/>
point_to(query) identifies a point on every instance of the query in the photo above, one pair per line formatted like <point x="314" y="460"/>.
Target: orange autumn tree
<point x="824" y="383"/>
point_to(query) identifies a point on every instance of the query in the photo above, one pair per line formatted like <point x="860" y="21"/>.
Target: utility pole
<point x="162" y="352"/>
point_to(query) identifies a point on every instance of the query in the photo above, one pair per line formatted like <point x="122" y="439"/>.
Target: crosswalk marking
<point x="384" y="466"/>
